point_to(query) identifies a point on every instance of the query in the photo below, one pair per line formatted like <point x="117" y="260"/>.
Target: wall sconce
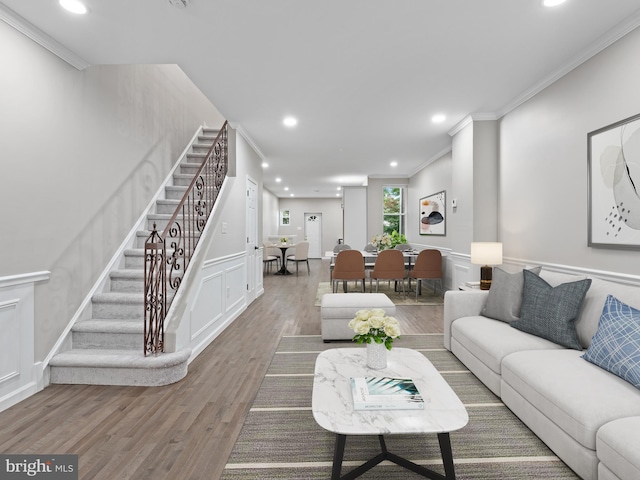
<point x="486" y="254"/>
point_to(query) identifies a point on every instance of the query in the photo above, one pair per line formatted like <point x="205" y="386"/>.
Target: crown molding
<point x="473" y="117"/>
<point x="606" y="40"/>
<point x="236" y="126"/>
<point x="435" y="157"/>
<point x="34" y="33"/>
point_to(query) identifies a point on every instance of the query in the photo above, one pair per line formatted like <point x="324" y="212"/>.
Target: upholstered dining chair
<point x="269" y="257"/>
<point x="349" y="266"/>
<point x="389" y="266"/>
<point x="428" y="266"/>
<point x="370" y="247"/>
<point x="341" y="246"/>
<point x="301" y="255"/>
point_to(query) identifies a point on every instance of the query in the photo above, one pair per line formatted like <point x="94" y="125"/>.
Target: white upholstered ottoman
<point x="338" y="309"/>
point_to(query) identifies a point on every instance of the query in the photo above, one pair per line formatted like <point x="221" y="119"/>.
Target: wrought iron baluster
<point x="183" y="232"/>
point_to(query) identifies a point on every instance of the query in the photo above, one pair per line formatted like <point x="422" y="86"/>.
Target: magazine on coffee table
<point x="385" y="393"/>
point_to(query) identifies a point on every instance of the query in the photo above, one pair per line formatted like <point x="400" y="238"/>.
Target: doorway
<point x="253" y="283"/>
<point x="313" y="233"/>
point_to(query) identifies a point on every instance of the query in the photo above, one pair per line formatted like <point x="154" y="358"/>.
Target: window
<point x="393" y="209"/>
<point x="284" y="217"/>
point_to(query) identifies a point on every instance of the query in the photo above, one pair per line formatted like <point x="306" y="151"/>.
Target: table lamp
<point x="486" y="254"/>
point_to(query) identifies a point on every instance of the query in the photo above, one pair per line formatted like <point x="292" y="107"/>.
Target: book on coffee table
<point x="385" y="393"/>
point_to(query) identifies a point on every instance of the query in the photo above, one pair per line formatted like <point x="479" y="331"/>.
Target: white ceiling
<point x="363" y="77"/>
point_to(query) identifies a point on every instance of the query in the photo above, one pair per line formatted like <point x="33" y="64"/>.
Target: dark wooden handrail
<point x="166" y="265"/>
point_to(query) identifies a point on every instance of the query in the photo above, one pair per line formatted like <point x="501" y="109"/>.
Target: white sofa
<point x="589" y="417"/>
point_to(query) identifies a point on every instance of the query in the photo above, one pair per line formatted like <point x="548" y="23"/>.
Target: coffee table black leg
<point x="447" y="456"/>
<point x="338" y="455"/>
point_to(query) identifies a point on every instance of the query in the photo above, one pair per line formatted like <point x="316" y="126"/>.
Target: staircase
<point x="108" y="348"/>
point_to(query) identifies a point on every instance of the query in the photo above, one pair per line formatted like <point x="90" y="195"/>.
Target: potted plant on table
<point x="378" y="331"/>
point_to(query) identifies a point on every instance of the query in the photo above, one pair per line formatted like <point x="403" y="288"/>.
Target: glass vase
<point x="376" y="355"/>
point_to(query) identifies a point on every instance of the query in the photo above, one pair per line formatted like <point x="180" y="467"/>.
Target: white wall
<point x="82" y="153"/>
<point x="543" y="164"/>
<point x="355" y="208"/>
<point x="330" y="209"/>
<point x="460" y="226"/>
<point x="233" y="206"/>
<point x="432" y="179"/>
<point x="541" y="193"/>
<point x="270" y="212"/>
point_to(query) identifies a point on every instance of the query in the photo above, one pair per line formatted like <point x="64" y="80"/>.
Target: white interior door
<point x="313" y="233"/>
<point x="252" y="241"/>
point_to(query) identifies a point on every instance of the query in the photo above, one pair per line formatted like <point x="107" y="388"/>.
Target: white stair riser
<point x="166" y="208"/>
<point x="175" y="193"/>
<point x="127" y="285"/>
<point x="133" y="261"/>
<point x="117" y="376"/>
<point x="182" y="180"/>
<point x="120" y="311"/>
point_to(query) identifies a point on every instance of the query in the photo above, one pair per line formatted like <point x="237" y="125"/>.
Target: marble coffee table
<point x="332" y="406"/>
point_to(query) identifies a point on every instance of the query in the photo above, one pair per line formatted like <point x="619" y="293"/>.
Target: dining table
<point x="283" y="248"/>
<point x="370" y="260"/>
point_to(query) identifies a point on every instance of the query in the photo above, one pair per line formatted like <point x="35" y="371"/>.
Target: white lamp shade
<point x="486" y="253"/>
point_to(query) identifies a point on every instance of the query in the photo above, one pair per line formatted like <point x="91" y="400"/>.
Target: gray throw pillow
<point x="505" y="295"/>
<point x="550" y="312"/>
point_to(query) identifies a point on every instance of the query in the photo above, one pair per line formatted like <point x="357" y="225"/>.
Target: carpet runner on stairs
<point x="107" y="349"/>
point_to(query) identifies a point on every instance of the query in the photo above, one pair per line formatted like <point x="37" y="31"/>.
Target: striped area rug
<point x="280" y="439"/>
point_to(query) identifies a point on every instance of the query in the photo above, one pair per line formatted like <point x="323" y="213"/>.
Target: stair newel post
<point x="155" y="292"/>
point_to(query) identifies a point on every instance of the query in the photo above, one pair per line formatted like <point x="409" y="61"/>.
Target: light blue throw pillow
<point x="615" y="346"/>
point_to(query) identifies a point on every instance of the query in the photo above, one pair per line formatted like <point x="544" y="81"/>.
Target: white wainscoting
<point x="219" y="297"/>
<point x="19" y="373"/>
<point x="459" y="269"/>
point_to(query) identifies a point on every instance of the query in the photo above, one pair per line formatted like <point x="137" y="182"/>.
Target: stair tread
<point x="91" y="358"/>
<point x="118" y="297"/>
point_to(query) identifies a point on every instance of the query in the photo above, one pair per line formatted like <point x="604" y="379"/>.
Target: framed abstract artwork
<point x="613" y="157"/>
<point x="432" y="216"/>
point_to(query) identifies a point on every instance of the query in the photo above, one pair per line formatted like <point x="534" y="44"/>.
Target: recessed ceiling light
<point x="290" y="121"/>
<point x="278" y="179"/>
<point x="337" y="194"/>
<point x="394" y="164"/>
<point x="439" y="118"/>
<point x="291" y="195"/>
<point x="339" y="188"/>
<point x="265" y="164"/>
<point x="286" y="189"/>
<point x="552" y="3"/>
<point x="73" y="6"/>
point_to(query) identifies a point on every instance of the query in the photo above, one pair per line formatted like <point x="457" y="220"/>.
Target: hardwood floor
<point x="185" y="430"/>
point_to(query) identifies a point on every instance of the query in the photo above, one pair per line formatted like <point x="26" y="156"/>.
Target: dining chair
<point x="428" y="266"/>
<point x="301" y="255"/>
<point x="389" y="266"/>
<point x="268" y="258"/>
<point x="341" y="246"/>
<point x="370" y="247"/>
<point x="349" y="265"/>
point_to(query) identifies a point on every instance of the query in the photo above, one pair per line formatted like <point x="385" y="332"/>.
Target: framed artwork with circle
<point x="432" y="214"/>
<point x="613" y="157"/>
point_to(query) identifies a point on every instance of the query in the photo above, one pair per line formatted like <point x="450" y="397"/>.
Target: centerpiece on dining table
<point x="377" y="330"/>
